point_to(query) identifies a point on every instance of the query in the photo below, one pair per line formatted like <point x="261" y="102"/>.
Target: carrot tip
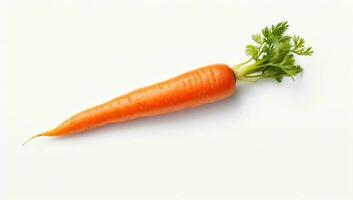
<point x="31" y="138"/>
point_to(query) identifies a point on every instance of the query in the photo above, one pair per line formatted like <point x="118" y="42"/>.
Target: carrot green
<point x="272" y="55"/>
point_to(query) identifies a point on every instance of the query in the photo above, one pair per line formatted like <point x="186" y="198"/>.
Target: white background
<point x="269" y="141"/>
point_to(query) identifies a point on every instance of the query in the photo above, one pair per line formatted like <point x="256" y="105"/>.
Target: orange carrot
<point x="271" y="57"/>
<point x="194" y="88"/>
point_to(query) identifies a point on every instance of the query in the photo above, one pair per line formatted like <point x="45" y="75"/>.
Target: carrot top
<point x="272" y="55"/>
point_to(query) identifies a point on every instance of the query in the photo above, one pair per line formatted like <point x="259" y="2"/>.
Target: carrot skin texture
<point x="195" y="88"/>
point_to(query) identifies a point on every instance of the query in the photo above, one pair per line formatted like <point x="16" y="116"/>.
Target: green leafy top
<point x="273" y="55"/>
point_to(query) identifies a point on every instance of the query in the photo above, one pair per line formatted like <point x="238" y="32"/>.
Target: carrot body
<point x="201" y="86"/>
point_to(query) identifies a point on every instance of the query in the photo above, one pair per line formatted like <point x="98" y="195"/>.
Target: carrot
<point x="271" y="57"/>
<point x="194" y="88"/>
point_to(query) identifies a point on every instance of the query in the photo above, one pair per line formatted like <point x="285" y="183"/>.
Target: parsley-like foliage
<point x="272" y="55"/>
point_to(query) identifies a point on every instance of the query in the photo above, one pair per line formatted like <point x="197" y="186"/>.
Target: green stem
<point x="241" y="71"/>
<point x="241" y="64"/>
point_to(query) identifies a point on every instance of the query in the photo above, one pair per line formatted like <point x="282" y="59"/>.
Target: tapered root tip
<point x="38" y="135"/>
